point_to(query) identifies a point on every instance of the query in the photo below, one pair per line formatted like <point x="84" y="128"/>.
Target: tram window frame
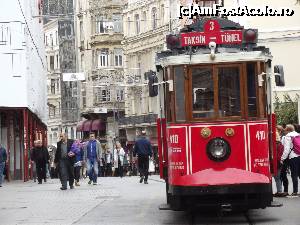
<point x="182" y="84"/>
<point x="169" y="96"/>
<point x="216" y="92"/>
<point x="241" y="88"/>
<point x="261" y="91"/>
<point x="190" y="94"/>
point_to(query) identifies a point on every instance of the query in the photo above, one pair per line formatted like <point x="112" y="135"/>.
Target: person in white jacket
<point x="119" y="155"/>
<point x="294" y="159"/>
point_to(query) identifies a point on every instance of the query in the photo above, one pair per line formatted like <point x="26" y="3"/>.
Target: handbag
<point x="151" y="166"/>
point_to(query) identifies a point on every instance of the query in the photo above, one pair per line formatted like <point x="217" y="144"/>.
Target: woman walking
<point x="77" y="149"/>
<point x="119" y="154"/>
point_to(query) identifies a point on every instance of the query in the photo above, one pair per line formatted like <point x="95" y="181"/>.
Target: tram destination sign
<point x="212" y="33"/>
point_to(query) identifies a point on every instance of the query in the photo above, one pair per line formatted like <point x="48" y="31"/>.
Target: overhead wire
<point x="30" y="34"/>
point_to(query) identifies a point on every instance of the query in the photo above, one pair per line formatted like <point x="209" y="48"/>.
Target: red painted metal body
<point x="249" y="153"/>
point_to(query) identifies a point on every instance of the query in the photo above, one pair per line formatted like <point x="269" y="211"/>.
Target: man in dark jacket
<point x="3" y="158"/>
<point x="40" y="156"/>
<point x="65" y="159"/>
<point x="143" y="149"/>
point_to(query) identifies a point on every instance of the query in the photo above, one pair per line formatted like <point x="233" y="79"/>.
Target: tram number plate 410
<point x="174" y="139"/>
<point x="260" y="135"/>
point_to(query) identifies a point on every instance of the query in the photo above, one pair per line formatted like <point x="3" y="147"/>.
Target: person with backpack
<point x="292" y="152"/>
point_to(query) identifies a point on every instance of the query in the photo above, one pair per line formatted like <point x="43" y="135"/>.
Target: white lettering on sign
<point x="194" y="40"/>
<point x="176" y="150"/>
<point x="230" y="38"/>
<point x="174" y="139"/>
<point x="260" y="135"/>
<point x="212" y="25"/>
<point x="261" y="162"/>
<point x="177" y="165"/>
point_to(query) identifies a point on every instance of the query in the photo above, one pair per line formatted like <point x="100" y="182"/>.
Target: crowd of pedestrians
<point x="288" y="154"/>
<point x="76" y="159"/>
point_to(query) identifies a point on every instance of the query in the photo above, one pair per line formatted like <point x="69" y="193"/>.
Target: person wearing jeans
<point x="3" y="158"/>
<point x="92" y="168"/>
<point x="294" y="158"/>
<point x="92" y="157"/>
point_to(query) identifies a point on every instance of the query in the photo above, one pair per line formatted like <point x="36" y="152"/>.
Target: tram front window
<point x="229" y="91"/>
<point x="203" y="93"/>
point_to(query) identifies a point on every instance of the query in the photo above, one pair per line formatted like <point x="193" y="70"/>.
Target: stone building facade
<point x="100" y="54"/>
<point x="146" y="24"/>
<point x="61" y="13"/>
<point x="53" y="81"/>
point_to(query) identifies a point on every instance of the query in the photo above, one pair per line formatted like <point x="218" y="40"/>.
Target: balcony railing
<point x="138" y="120"/>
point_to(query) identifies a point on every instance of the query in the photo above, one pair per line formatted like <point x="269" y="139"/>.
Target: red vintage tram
<point x="216" y="143"/>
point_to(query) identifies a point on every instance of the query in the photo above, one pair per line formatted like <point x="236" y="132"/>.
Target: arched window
<point x="154" y="18"/>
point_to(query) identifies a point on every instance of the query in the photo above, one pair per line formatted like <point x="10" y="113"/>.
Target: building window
<point x="118" y="23"/>
<point x="137" y="24"/>
<point x="51" y="111"/>
<point x="83" y="94"/>
<point x="51" y="40"/>
<point x="103" y="58"/>
<point x="118" y="57"/>
<point x="46" y="40"/>
<point x="57" y="85"/>
<point x="51" y="62"/>
<point x="52" y="88"/>
<point x="81" y="31"/>
<point x="206" y="3"/>
<point x="120" y="95"/>
<point x="82" y="62"/>
<point x="154" y="18"/>
<point x="100" y="25"/>
<point x="59" y="108"/>
<point x="105" y="95"/>
<point x="162" y="14"/>
<point x="57" y="62"/>
<point x="144" y="19"/>
<point x="56" y="38"/>
<point x="128" y="26"/>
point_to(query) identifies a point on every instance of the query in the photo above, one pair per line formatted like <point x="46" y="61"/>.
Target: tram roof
<point x="165" y="60"/>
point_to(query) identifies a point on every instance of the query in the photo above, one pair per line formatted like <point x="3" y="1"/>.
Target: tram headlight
<point x="218" y="149"/>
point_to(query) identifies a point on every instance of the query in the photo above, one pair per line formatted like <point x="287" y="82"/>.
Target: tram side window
<point x="229" y="92"/>
<point x="251" y="86"/>
<point x="180" y="97"/>
<point x="203" y="93"/>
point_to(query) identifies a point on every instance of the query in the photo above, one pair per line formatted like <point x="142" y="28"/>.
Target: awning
<point x="80" y="126"/>
<point x="87" y="125"/>
<point x="98" y="125"/>
<point x="91" y="125"/>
